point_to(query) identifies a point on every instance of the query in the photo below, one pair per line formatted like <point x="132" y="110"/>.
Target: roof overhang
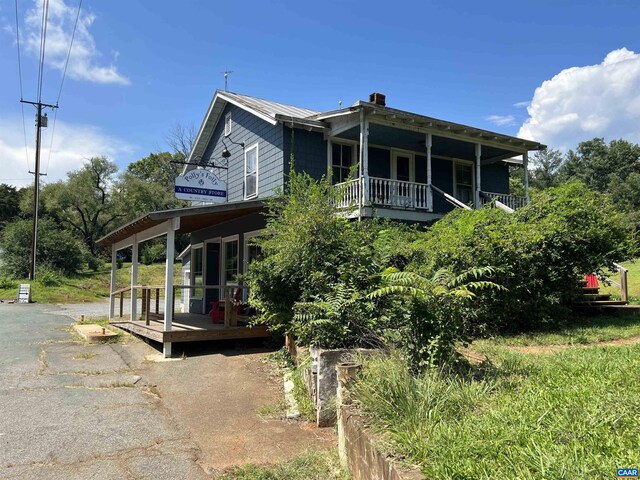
<point x="190" y="219"/>
<point x="413" y="121"/>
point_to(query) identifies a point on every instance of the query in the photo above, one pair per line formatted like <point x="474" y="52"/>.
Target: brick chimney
<point x="378" y="99"/>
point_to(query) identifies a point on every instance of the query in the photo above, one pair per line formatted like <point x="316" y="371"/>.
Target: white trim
<point x="245" y="247"/>
<point x="455" y="180"/>
<point x="228" y="122"/>
<point x="266" y="118"/>
<point x="223" y="255"/>
<point x="395" y="153"/>
<point x="192" y="269"/>
<point x="246" y="151"/>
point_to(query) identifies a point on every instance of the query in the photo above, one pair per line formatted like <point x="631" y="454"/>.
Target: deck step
<point x="598" y="302"/>
<point x="589" y="290"/>
<point x="594" y="297"/>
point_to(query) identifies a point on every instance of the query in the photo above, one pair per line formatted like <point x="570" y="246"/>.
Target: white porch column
<point x="112" y="284"/>
<point x="478" y="179"/>
<point x="329" y="163"/>
<point x="134" y="279"/>
<point x="429" y="144"/>
<point x="525" y="164"/>
<point x="365" y="163"/>
<point x="168" y="286"/>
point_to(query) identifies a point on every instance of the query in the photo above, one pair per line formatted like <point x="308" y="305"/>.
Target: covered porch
<point x="151" y="311"/>
<point x="419" y="168"/>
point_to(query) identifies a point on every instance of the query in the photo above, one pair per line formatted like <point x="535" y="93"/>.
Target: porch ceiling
<point x="415" y="141"/>
<point x="191" y="219"/>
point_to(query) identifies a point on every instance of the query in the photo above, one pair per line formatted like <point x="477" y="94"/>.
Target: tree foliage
<point x="85" y="202"/>
<point x="57" y="248"/>
<point x="9" y="203"/>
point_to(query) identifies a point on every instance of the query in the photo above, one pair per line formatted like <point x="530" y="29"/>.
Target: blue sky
<point x="140" y="67"/>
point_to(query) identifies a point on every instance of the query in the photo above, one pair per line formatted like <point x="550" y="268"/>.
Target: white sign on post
<point x="200" y="186"/>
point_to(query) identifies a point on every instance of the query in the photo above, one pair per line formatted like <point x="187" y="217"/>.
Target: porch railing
<point x="385" y="192"/>
<point x="512" y="201"/>
<point x="398" y="194"/>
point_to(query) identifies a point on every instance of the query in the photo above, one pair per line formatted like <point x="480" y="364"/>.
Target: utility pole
<point x="36" y="192"/>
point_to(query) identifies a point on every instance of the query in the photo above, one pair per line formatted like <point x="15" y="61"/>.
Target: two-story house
<point x="408" y="167"/>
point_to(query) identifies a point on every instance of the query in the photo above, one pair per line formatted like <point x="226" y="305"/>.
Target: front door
<point x="212" y="274"/>
<point x="463" y="182"/>
<point x="402" y="169"/>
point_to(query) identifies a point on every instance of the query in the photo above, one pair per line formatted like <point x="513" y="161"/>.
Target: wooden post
<point x="157" y="300"/>
<point x="134" y="279"/>
<point x="112" y="284"/>
<point x="525" y="164"/>
<point x="429" y="144"/>
<point x="478" y="179"/>
<point x="168" y="285"/>
<point x="121" y="303"/>
<point x="624" y="288"/>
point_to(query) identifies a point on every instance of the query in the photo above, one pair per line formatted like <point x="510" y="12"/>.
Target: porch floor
<point x="188" y="327"/>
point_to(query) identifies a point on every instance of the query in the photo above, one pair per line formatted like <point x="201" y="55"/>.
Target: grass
<point x="90" y="286"/>
<point x="312" y="465"/>
<point x="633" y="281"/>
<point x="582" y="330"/>
<point x="570" y="414"/>
<point x="85" y="356"/>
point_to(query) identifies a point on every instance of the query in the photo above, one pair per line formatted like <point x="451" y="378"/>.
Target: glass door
<point x="463" y="182"/>
<point x="402" y="169"/>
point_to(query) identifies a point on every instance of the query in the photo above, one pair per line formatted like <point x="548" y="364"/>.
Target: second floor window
<point x="251" y="172"/>
<point x="341" y="161"/>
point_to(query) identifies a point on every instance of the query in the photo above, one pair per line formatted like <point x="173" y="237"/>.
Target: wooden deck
<point x="188" y="327"/>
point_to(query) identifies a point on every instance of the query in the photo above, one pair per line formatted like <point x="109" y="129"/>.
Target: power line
<point x="43" y="40"/>
<point x="24" y="123"/>
<point x="64" y="73"/>
<point x="66" y="64"/>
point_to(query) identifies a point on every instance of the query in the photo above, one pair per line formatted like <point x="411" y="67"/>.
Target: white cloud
<point x="501" y="120"/>
<point x="85" y="62"/>
<point x="72" y="145"/>
<point x="522" y="104"/>
<point x="580" y="103"/>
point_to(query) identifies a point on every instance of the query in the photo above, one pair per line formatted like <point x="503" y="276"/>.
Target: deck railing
<point x="385" y="192"/>
<point x="512" y="201"/>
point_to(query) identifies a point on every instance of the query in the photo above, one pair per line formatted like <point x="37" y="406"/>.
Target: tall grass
<point x="570" y="415"/>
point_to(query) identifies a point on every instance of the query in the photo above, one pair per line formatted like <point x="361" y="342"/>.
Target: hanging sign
<point x="200" y="186"/>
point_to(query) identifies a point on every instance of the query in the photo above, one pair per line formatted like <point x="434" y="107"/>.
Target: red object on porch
<point x="217" y="312"/>
<point x="592" y="280"/>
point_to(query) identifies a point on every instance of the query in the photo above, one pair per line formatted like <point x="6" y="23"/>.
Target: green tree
<point x="596" y="163"/>
<point x="546" y="168"/>
<point x="85" y="202"/>
<point x="159" y="168"/>
<point x="57" y="248"/>
<point x="9" y="203"/>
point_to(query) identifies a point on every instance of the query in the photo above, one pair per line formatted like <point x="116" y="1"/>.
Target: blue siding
<point x="249" y="129"/>
<point x="379" y="162"/>
<point x="495" y="178"/>
<point x="309" y="151"/>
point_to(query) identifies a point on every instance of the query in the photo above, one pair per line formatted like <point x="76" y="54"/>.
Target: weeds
<point x="84" y="356"/>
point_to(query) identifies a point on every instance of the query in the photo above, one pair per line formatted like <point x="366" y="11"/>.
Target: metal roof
<point x="268" y="107"/>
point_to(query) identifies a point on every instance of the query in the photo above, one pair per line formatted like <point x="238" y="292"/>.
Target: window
<point x="251" y="172"/>
<point x="227" y="124"/>
<point x="251" y="252"/>
<point x="463" y="178"/>
<point x="230" y="260"/>
<point x="341" y="160"/>
<point x="196" y="270"/>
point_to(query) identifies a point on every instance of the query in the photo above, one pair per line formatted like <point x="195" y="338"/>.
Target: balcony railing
<point x="512" y="201"/>
<point x="397" y="194"/>
<point x="384" y="192"/>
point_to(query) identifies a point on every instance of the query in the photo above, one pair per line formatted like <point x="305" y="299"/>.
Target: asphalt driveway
<point x="77" y="411"/>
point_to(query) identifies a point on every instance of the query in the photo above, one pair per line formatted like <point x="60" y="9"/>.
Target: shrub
<point x="538" y="252"/>
<point x="57" y="248"/>
<point x="6" y="282"/>
<point x="317" y="268"/>
<point x="153" y="252"/>
<point x="49" y="278"/>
